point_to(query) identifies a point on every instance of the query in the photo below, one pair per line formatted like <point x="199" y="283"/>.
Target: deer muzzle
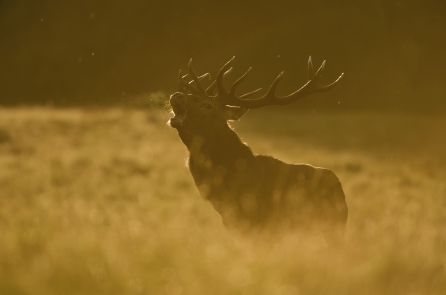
<point x="178" y="103"/>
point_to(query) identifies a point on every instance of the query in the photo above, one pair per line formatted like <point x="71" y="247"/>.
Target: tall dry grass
<point x="99" y="202"/>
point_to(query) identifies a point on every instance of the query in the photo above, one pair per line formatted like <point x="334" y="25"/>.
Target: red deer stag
<point x="253" y="193"/>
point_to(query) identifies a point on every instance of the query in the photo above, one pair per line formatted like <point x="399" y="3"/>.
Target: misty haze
<point x="118" y="175"/>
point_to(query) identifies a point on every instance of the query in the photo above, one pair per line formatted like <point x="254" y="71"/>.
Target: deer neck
<point x="220" y="165"/>
<point x="219" y="149"/>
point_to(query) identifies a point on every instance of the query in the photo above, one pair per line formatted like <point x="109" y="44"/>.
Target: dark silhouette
<point x="253" y="193"/>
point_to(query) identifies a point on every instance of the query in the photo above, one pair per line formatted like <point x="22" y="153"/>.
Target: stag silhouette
<point x="253" y="193"/>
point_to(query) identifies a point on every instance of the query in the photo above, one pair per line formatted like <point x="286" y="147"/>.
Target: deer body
<point x="253" y="193"/>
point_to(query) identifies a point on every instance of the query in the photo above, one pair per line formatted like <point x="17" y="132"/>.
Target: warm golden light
<point x="95" y="196"/>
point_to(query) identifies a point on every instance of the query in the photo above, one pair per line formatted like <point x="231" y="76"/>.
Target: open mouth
<point x="180" y="112"/>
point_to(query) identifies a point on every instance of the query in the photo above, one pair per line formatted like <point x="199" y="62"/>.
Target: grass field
<point x="100" y="202"/>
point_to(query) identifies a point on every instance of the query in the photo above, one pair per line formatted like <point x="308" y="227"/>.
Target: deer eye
<point x="207" y="106"/>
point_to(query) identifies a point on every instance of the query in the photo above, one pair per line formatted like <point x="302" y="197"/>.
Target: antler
<point x="183" y="85"/>
<point x="270" y="98"/>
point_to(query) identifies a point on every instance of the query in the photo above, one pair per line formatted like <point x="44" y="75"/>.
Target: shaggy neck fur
<point x="220" y="148"/>
<point x="217" y="159"/>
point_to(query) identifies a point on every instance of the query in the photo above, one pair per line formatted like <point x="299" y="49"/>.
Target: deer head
<point x="198" y="111"/>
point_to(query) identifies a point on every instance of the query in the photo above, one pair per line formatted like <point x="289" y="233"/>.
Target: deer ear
<point x="234" y="113"/>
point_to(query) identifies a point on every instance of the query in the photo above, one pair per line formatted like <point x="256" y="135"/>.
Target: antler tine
<point x="272" y="88"/>
<point x="210" y="89"/>
<point x="200" y="86"/>
<point x="250" y="93"/>
<point x="239" y="80"/>
<point x="219" y="80"/>
<point x="270" y="97"/>
<point x="310" y="68"/>
<point x="318" y="74"/>
<point x="201" y="77"/>
<point x="183" y="85"/>
<point x="332" y="85"/>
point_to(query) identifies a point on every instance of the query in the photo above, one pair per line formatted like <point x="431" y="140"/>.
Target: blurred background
<point x="95" y="199"/>
<point x="67" y="53"/>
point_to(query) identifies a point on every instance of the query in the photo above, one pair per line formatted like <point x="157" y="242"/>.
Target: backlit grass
<point x="100" y="202"/>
